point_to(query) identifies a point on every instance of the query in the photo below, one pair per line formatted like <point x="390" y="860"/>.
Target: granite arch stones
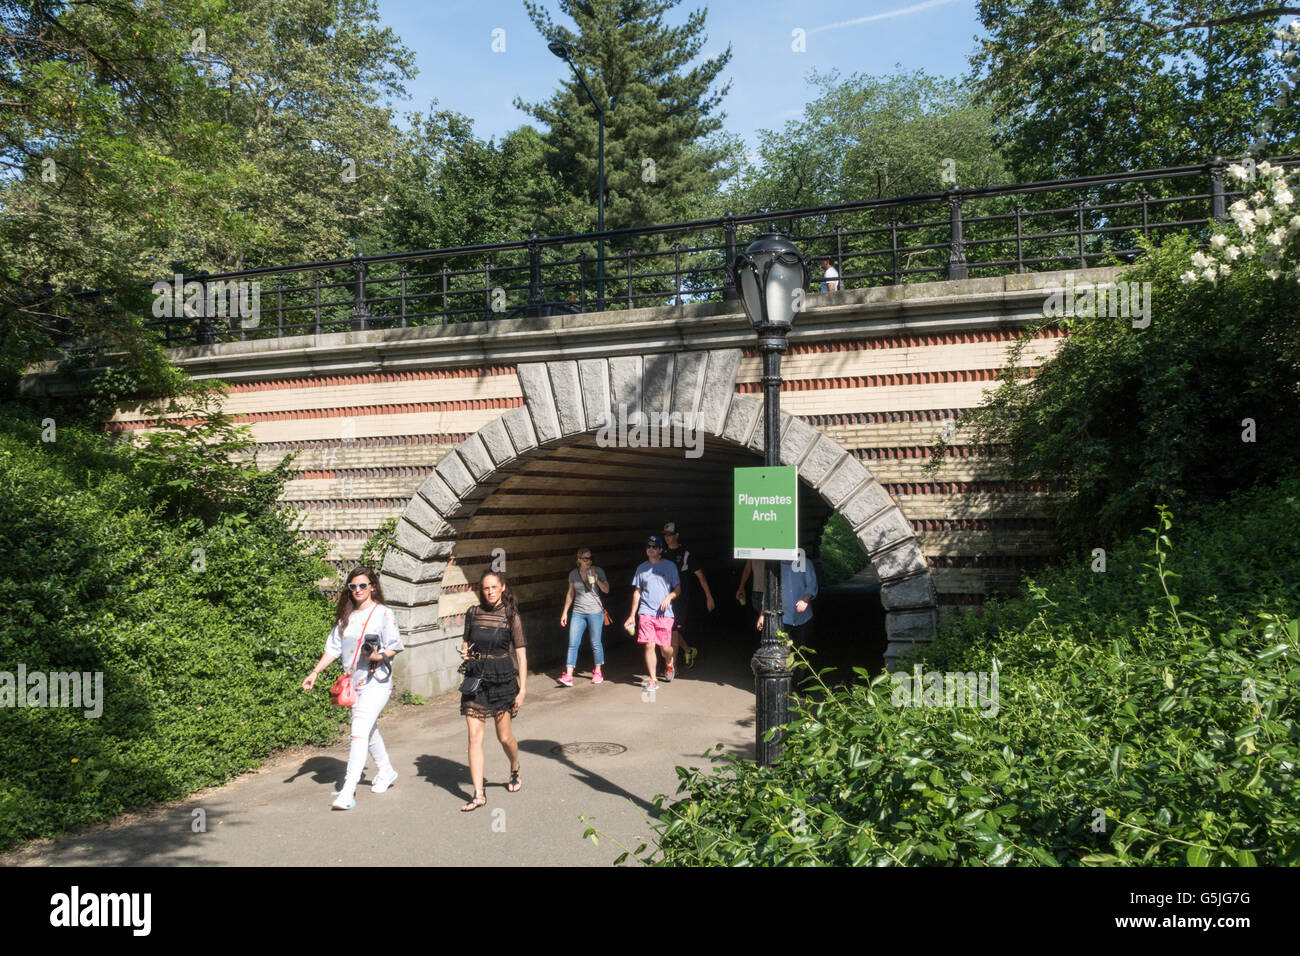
<point x="567" y="400"/>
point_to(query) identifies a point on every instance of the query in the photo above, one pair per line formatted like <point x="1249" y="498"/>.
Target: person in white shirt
<point x="366" y="637"/>
<point x="830" y="277"/>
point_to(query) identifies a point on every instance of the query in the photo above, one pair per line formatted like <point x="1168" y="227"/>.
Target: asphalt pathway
<point x="280" y="814"/>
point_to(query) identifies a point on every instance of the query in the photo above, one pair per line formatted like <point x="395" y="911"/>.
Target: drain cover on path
<point x="588" y="749"/>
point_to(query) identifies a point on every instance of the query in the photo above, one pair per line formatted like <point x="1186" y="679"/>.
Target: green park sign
<point x="766" y="502"/>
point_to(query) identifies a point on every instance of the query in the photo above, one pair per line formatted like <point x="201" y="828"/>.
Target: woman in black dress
<point x="491" y="630"/>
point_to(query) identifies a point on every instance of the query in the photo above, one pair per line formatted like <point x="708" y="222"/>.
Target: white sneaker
<point x="383" y="782"/>
<point x="344" y="802"/>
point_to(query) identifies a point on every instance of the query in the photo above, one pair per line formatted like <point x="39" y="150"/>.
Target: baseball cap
<point x="654" y="539"/>
<point x="670" y="527"/>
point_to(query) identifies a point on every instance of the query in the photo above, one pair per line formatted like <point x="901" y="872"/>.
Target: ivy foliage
<point x="1199" y="404"/>
<point x="1146" y="714"/>
<point x="166" y="569"/>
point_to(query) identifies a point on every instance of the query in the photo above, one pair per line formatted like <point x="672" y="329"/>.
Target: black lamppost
<point x="771" y="277"/>
<point x="562" y="51"/>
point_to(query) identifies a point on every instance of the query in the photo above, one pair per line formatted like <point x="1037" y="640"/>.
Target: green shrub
<point x="1125" y="418"/>
<point x="170" y="572"/>
<point x="1143" y="717"/>
<point x="841" y="555"/>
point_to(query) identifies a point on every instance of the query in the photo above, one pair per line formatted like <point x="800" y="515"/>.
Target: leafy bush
<point x="168" y="570"/>
<point x="1131" y="726"/>
<point x="1125" y="418"/>
<point x="841" y="555"/>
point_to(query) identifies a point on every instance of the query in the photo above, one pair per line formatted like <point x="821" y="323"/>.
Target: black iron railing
<point x="960" y="233"/>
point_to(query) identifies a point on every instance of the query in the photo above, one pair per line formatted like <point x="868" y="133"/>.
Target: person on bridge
<point x="830" y="277"/>
<point x="363" y="627"/>
<point x="492" y="628"/>
<point x="686" y="609"/>
<point x="588" y="615"/>
<point x="655" y="584"/>
<point x="798" y="589"/>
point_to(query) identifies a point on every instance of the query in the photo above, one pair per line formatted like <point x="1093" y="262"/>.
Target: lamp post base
<point x="772" y="698"/>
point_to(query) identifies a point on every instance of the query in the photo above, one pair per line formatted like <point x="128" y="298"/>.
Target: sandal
<point x="480" y="798"/>
<point x="514" y="786"/>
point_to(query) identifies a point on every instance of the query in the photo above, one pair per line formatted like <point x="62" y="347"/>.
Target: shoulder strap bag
<point x="344" y="691"/>
<point x="595" y="590"/>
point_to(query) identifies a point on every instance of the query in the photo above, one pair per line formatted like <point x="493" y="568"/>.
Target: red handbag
<point x="344" y="691"/>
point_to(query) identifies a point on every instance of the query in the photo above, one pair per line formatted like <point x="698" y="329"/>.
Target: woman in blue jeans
<point x="586" y="583"/>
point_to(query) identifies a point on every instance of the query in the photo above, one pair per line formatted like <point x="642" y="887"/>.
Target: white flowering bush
<point x="1264" y="227"/>
<point x="1264" y="223"/>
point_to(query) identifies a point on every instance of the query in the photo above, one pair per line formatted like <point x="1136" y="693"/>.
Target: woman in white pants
<point x="365" y="635"/>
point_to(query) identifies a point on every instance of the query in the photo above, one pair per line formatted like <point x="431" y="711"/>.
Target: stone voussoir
<point x="536" y="384"/>
<point x="566" y="389"/>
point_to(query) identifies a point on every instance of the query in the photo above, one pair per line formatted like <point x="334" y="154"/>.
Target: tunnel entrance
<point x="582" y="495"/>
<point x="530" y="488"/>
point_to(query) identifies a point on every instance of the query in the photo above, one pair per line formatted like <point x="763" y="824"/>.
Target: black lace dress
<point x="490" y="641"/>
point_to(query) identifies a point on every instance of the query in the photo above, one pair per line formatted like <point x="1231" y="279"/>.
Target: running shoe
<point x="344" y="802"/>
<point x="383" y="781"/>
<point x="566" y="679"/>
<point x="690" y="657"/>
<point x="669" y="674"/>
<point x="650" y="684"/>
<point x="598" y="678"/>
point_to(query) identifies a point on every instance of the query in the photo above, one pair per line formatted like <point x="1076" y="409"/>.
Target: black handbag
<point x="471" y="684"/>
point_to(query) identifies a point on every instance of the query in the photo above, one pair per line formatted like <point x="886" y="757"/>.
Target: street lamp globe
<point x="771" y="275"/>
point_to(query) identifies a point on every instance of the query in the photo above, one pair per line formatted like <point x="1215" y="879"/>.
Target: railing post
<point x="402" y="277"/>
<point x="204" y="334"/>
<point x="839" y="252"/>
<point x="1218" y="203"/>
<point x="279" y="307"/>
<point x="628" y="254"/>
<point x="1146" y="197"/>
<point x="1083" y="259"/>
<point x="677" y="268"/>
<point x="446" y="317"/>
<point x="1020" y="211"/>
<point x="729" y="292"/>
<point x="893" y="244"/>
<point x="536" y="296"/>
<point x="315" y="279"/>
<point x="487" y="286"/>
<point x="582" y="281"/>
<point x="360" y="313"/>
<point x="956" y="244"/>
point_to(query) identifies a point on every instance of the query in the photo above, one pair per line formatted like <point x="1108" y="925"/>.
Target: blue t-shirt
<point x="655" y="581"/>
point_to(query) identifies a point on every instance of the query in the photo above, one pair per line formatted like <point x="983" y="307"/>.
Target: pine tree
<point x="659" y="160"/>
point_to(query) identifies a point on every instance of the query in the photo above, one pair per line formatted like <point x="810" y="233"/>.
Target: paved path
<point x="280" y="814"/>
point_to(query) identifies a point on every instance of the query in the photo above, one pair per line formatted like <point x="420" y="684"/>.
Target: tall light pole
<point x="562" y="51"/>
<point x="771" y="277"/>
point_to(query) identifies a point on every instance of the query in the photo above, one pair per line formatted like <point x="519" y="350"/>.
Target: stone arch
<point x="567" y="399"/>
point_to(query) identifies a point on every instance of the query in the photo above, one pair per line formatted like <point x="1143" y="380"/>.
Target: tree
<point x="145" y="138"/>
<point x="869" y="137"/>
<point x="1093" y="87"/>
<point x="658" y="118"/>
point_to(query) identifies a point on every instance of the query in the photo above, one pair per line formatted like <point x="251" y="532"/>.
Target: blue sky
<point x="452" y="42"/>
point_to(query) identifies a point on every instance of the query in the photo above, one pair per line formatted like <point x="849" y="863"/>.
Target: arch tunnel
<point x="530" y="488"/>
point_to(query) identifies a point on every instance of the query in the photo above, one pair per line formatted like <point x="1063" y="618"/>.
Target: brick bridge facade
<point x="481" y="439"/>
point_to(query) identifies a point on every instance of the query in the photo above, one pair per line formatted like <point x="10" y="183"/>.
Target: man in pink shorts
<point x="656" y="583"/>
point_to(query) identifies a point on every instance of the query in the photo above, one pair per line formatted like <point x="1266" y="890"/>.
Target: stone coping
<point x="918" y="307"/>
